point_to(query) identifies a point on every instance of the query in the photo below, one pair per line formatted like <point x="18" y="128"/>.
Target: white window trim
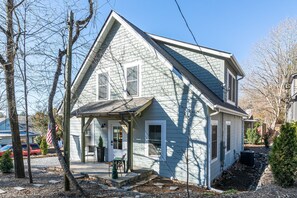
<point x="228" y="88"/>
<point x="214" y="122"/>
<point x="97" y="84"/>
<point x="228" y="123"/>
<point x="133" y="64"/>
<point x="163" y="155"/>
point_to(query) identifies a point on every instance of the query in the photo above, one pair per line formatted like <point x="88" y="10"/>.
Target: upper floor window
<point x="103" y="86"/>
<point x="132" y="85"/>
<point x="231" y="82"/>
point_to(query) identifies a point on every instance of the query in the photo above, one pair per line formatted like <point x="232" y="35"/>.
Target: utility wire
<point x="185" y="20"/>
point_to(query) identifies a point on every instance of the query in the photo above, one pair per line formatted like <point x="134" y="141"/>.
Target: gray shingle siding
<point x="236" y="142"/>
<point x="211" y="75"/>
<point x="183" y="111"/>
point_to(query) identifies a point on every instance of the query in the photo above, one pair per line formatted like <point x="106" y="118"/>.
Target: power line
<point x="185" y="20"/>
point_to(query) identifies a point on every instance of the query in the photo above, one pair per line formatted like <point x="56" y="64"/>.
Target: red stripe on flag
<point x="49" y="136"/>
<point x="49" y="139"/>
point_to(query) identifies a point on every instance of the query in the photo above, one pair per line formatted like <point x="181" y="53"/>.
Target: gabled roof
<point x="213" y="101"/>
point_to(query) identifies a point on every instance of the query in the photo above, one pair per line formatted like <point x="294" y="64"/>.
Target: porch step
<point x="128" y="178"/>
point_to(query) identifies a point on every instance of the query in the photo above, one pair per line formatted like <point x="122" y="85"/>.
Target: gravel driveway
<point x="43" y="162"/>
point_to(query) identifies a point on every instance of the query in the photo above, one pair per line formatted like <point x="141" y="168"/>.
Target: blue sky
<point x="229" y="25"/>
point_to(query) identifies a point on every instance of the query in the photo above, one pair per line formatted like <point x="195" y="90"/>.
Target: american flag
<point x="49" y="139"/>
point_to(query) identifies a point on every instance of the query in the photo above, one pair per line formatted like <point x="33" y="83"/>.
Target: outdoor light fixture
<point x="103" y="125"/>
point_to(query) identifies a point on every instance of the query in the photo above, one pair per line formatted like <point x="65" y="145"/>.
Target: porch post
<point x="130" y="145"/>
<point x="83" y="140"/>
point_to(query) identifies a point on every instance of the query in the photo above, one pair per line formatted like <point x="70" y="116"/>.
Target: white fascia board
<point x="236" y="64"/>
<point x="229" y="111"/>
<point x="191" y="46"/>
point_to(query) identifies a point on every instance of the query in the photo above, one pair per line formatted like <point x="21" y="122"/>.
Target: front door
<point x="117" y="140"/>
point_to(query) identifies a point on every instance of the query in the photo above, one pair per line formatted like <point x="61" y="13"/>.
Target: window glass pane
<point x="228" y="137"/>
<point x="132" y="73"/>
<point x="155" y="140"/>
<point x="132" y="88"/>
<point x="103" y="86"/>
<point x="102" y="92"/>
<point x="132" y="81"/>
<point x="103" y="78"/>
<point x="117" y="137"/>
<point x="214" y="142"/>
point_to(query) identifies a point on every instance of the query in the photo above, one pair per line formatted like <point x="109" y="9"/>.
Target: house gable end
<point x="144" y="39"/>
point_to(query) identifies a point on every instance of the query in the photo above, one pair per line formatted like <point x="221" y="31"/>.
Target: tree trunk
<point x="10" y="93"/>
<point x="61" y="158"/>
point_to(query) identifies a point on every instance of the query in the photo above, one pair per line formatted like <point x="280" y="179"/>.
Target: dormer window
<point x="103" y="86"/>
<point x="231" y="82"/>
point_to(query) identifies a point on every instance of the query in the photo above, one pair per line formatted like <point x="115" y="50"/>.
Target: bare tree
<point x="8" y="65"/>
<point x="273" y="62"/>
<point x="79" y="26"/>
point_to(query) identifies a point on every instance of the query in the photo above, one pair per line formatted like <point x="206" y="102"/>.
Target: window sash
<point x="228" y="137"/>
<point x="155" y="140"/>
<point x="103" y="86"/>
<point x="214" y="142"/>
<point x="231" y="88"/>
<point x="132" y="86"/>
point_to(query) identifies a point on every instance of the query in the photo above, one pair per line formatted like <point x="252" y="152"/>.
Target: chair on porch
<point x="91" y="152"/>
<point x="120" y="164"/>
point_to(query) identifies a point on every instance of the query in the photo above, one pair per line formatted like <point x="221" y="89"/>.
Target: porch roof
<point x="113" y="107"/>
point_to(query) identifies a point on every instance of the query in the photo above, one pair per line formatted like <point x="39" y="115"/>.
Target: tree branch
<point x="17" y="5"/>
<point x="18" y="35"/>
<point x="2" y="61"/>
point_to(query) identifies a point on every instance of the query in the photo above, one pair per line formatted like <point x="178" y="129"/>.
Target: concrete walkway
<point x="92" y="169"/>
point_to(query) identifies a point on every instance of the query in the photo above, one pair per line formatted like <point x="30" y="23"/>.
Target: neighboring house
<point x="5" y="132"/>
<point x="153" y="98"/>
<point x="292" y="102"/>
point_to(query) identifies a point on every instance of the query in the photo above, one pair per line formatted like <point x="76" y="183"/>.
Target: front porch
<point x="113" y="120"/>
<point x="103" y="173"/>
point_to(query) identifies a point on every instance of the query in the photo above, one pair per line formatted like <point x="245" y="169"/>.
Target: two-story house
<point x="162" y="102"/>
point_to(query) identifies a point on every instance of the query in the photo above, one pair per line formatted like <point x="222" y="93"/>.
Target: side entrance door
<point x="117" y="139"/>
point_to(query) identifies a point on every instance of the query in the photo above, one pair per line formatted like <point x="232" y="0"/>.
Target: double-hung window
<point x="155" y="131"/>
<point x="214" y="139"/>
<point x="103" y="86"/>
<point x="231" y="82"/>
<point x="132" y="80"/>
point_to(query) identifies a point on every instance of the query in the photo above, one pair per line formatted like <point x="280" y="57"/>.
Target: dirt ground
<point x="241" y="177"/>
<point x="238" y="181"/>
